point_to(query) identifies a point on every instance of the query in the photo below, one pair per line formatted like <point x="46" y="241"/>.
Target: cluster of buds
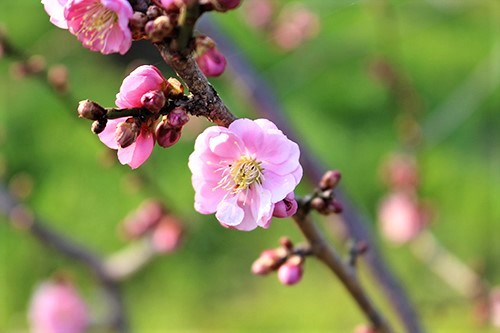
<point x="153" y="222"/>
<point x="151" y="99"/>
<point x="287" y="260"/>
<point x="323" y="199"/>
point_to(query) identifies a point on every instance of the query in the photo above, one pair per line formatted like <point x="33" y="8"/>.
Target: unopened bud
<point x="286" y="243"/>
<point x="153" y="12"/>
<point x="90" y="110"/>
<point x="336" y="207"/>
<point x="58" y="78"/>
<point x="224" y="5"/>
<point x="318" y="204"/>
<point x="268" y="261"/>
<point x="137" y="23"/>
<point x="364" y="329"/>
<point x="286" y="207"/>
<point x="126" y="132"/>
<point x="154" y="100"/>
<point x="210" y="60"/>
<point x="143" y="219"/>
<point x="174" y="88"/>
<point x="330" y="180"/>
<point x="291" y="271"/>
<point x="158" y="29"/>
<point x="99" y="125"/>
<point x="166" y="135"/>
<point x="177" y="118"/>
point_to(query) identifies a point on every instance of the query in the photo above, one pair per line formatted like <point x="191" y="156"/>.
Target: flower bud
<point x="210" y="60"/>
<point x="286" y="207"/>
<point x="335" y="207"/>
<point x="153" y="100"/>
<point x="137" y="24"/>
<point x="167" y="235"/>
<point x="158" y="29"/>
<point x="90" y="110"/>
<point x="291" y="271"/>
<point x="364" y="329"/>
<point x="166" y="135"/>
<point x="55" y="307"/>
<point x="126" y="132"/>
<point x="57" y="76"/>
<point x="177" y="118"/>
<point x="153" y="12"/>
<point x="224" y="5"/>
<point x="330" y="180"/>
<point x="99" y="125"/>
<point x="174" y="88"/>
<point x="268" y="261"/>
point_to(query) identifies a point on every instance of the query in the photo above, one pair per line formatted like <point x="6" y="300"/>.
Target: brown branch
<point x="261" y="97"/>
<point x="346" y="274"/>
<point x="22" y="218"/>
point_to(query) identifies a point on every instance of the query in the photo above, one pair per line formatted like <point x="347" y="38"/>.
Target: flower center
<point x="241" y="174"/>
<point x="96" y="22"/>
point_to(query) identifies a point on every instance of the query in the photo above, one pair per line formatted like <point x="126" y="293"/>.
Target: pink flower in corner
<point x="56" y="307"/>
<point x="241" y="172"/>
<point x="140" y="82"/>
<point x="101" y="25"/>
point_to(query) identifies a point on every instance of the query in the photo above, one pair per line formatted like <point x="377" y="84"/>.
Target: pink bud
<point x="495" y="307"/>
<point x="90" y="110"/>
<point x="400" y="171"/>
<point x="286" y="207"/>
<point x="166" y="135"/>
<point x="167" y="235"/>
<point x="291" y="271"/>
<point x="224" y="5"/>
<point x="177" y="118"/>
<point x="57" y="307"/>
<point x="153" y="100"/>
<point x="143" y="219"/>
<point x="330" y="180"/>
<point x="210" y="60"/>
<point x="268" y="261"/>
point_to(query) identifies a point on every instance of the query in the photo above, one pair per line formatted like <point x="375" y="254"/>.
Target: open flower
<point x="241" y="172"/>
<point x="135" y="142"/>
<point x="101" y="25"/>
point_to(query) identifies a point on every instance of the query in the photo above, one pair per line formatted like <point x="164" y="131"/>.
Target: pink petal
<point x="108" y="135"/>
<point x="55" y="9"/>
<point x="138" y="152"/>
<point x="279" y="186"/>
<point x="226" y="145"/>
<point x="229" y="213"/>
<point x="249" y="132"/>
<point x="207" y="198"/>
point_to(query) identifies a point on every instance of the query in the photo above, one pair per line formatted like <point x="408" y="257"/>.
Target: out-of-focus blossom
<point x="258" y="13"/>
<point x="101" y="25"/>
<point x="167" y="235"/>
<point x="400" y="172"/>
<point x="242" y="171"/>
<point x="297" y="25"/>
<point x="364" y="329"/>
<point x="495" y="307"/>
<point x="401" y="218"/>
<point x="56" y="307"/>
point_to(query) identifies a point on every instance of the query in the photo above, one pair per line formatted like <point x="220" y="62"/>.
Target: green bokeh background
<point x="448" y="49"/>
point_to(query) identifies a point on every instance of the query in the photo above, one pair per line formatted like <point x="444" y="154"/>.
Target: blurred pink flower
<point x="364" y="329"/>
<point x="401" y="218"/>
<point x="241" y="172"/>
<point x="101" y="25"/>
<point x="167" y="235"/>
<point x="291" y="271"/>
<point x="56" y="307"/>
<point x="140" y="82"/>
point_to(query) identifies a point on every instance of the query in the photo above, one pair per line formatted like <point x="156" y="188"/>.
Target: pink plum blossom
<point x="401" y="218"/>
<point x="140" y="82"/>
<point x="56" y="307"/>
<point x="241" y="172"/>
<point x="101" y="25"/>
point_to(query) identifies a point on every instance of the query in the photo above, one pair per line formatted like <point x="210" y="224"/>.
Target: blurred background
<point x="359" y="81"/>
